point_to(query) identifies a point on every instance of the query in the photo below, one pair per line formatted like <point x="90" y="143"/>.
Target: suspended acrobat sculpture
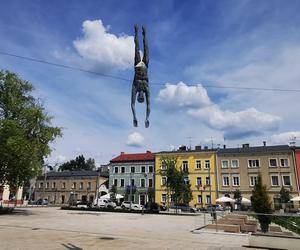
<point x="140" y="85"/>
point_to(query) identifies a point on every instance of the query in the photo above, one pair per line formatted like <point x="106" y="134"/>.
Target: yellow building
<point x="201" y="172"/>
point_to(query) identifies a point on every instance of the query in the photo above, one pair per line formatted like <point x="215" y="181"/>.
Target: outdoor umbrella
<point x="245" y="201"/>
<point x="107" y="196"/>
<point x="297" y="198"/>
<point x="225" y="199"/>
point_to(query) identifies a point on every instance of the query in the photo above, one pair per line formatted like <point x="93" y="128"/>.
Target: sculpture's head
<point x="140" y="97"/>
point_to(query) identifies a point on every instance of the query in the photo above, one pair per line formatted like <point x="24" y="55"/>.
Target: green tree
<point x="78" y="164"/>
<point x="113" y="193"/>
<point x="177" y="183"/>
<point x="238" y="197"/>
<point x="151" y="193"/>
<point x="284" y="197"/>
<point x="25" y="131"/>
<point x="261" y="204"/>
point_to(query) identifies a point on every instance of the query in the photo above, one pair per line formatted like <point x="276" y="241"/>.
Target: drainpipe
<point x="295" y="170"/>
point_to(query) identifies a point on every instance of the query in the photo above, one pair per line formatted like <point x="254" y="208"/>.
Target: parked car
<point x="104" y="203"/>
<point x="42" y="202"/>
<point x="134" y="206"/>
<point x="31" y="202"/>
<point x="83" y="204"/>
<point x="216" y="207"/>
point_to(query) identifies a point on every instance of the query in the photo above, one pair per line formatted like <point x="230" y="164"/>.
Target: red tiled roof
<point x="148" y="156"/>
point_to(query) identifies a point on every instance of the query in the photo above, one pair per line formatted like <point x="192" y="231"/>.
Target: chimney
<point x="122" y="153"/>
<point x="224" y="146"/>
<point x="246" y="145"/>
<point x="198" y="147"/>
<point x="265" y="143"/>
<point x="148" y="152"/>
<point x="182" y="148"/>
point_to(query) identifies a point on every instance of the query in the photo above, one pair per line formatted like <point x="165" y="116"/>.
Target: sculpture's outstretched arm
<point x="133" y="97"/>
<point x="137" y="56"/>
<point x="147" y="94"/>
<point x="146" y="49"/>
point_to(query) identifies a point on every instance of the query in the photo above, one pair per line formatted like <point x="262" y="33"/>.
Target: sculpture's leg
<point x="133" y="97"/>
<point x="137" y="56"/>
<point x="146" y="49"/>
<point x="147" y="94"/>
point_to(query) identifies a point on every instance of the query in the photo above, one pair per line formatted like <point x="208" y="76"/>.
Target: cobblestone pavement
<point x="52" y="228"/>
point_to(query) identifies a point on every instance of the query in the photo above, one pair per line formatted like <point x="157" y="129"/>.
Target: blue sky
<point x="222" y="43"/>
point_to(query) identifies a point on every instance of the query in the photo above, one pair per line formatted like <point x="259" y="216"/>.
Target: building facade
<point x="61" y="187"/>
<point x="200" y="165"/>
<point x="133" y="176"/>
<point x="10" y="196"/>
<point x="297" y="162"/>
<point x="238" y="168"/>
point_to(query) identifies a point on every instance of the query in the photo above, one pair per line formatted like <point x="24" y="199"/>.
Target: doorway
<point x="142" y="199"/>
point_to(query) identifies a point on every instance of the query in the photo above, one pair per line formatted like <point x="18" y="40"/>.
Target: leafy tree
<point x="177" y="184"/>
<point x="25" y="131"/>
<point x="113" y="193"/>
<point x="150" y="193"/>
<point x="78" y="164"/>
<point x="238" y="197"/>
<point x="284" y="195"/>
<point x="261" y="204"/>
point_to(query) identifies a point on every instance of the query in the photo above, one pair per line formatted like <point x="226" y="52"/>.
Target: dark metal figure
<point x="140" y="83"/>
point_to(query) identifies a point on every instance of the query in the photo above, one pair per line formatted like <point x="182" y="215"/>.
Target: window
<point x="122" y="184"/>
<point x="163" y="166"/>
<point x="41" y="185"/>
<point x="199" y="182"/>
<point x="274" y="180"/>
<point x="225" y="164"/>
<point x="207" y="181"/>
<point x="253" y="163"/>
<point x="132" y="169"/>
<point x="63" y="185"/>
<point x="74" y="185"/>
<point x="185" y="166"/>
<point x="199" y="199"/>
<point x="235" y="180"/>
<point x="163" y="198"/>
<point x="253" y="180"/>
<point x="132" y="182"/>
<point x="47" y="185"/>
<point x="122" y="170"/>
<point x="273" y="162"/>
<point x="198" y="164"/>
<point x="226" y="180"/>
<point x="142" y="182"/>
<point x="207" y="164"/>
<point x="143" y="169"/>
<point x="116" y="170"/>
<point x="115" y="182"/>
<point x="234" y="163"/>
<point x="163" y="180"/>
<point x="150" y="182"/>
<point x="53" y="184"/>
<point x="208" y="199"/>
<point x="286" y="180"/>
<point x="284" y="162"/>
<point x="150" y="169"/>
<point x="81" y="185"/>
<point x="89" y="185"/>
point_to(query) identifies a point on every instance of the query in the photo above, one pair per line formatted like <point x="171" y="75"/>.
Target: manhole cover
<point x="107" y="238"/>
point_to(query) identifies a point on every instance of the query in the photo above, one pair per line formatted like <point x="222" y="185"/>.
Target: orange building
<point x="297" y="159"/>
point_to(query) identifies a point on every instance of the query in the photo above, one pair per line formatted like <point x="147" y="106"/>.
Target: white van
<point x="104" y="203"/>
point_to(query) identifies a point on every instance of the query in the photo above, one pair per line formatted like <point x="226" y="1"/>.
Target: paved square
<point x="52" y="228"/>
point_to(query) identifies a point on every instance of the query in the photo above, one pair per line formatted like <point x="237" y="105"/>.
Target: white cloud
<point x="197" y="104"/>
<point x="181" y="95"/>
<point x="286" y="137"/>
<point x="104" y="49"/>
<point x="135" y="140"/>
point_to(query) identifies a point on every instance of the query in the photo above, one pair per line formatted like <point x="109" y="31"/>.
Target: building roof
<point x="187" y="151"/>
<point x="83" y="173"/>
<point x="259" y="149"/>
<point x="148" y="156"/>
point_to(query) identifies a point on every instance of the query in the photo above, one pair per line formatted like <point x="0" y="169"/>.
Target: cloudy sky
<point x="197" y="50"/>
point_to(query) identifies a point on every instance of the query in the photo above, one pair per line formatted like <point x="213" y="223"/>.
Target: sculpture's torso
<point x="141" y="78"/>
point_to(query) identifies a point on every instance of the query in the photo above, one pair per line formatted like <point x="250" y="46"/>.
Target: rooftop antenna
<point x="212" y="142"/>
<point x="190" y="142"/>
<point x="293" y="141"/>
